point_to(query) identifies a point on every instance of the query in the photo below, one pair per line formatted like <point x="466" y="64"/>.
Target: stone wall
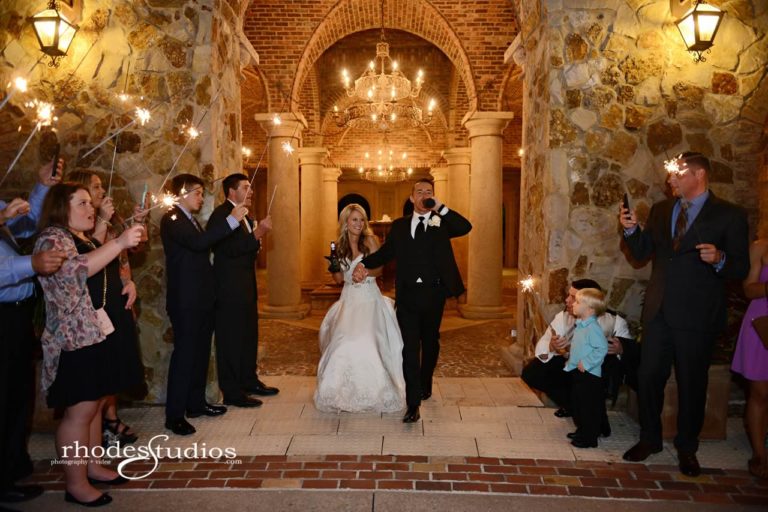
<point x="181" y="59"/>
<point x="623" y="96"/>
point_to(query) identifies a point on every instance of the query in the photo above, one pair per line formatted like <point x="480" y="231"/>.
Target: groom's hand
<point x="438" y="204"/>
<point x="359" y="273"/>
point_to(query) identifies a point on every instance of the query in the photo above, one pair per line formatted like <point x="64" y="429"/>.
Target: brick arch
<point x="418" y="17"/>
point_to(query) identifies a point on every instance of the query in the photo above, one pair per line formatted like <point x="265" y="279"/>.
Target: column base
<point x="513" y="358"/>
<point x="484" y="312"/>
<point x="294" y="312"/>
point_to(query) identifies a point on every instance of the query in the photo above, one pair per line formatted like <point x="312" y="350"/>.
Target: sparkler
<point x="167" y="201"/>
<point x="527" y="286"/>
<point x="269" y="208"/>
<point x="673" y="167"/>
<point x="44" y="118"/>
<point x="19" y="84"/>
<point x="142" y="117"/>
<point x="192" y="134"/>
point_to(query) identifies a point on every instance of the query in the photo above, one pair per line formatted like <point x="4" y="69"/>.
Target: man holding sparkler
<point x="190" y="300"/>
<point x="697" y="241"/>
<point x="237" y="327"/>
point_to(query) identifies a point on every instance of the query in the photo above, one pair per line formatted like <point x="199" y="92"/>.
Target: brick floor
<point x="462" y="474"/>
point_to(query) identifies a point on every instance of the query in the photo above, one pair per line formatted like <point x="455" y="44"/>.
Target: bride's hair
<point x="343" y="249"/>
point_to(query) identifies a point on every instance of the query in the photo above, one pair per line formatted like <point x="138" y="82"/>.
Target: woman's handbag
<point x="760" y="323"/>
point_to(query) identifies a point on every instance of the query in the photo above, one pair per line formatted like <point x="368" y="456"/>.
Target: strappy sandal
<point x="118" y="432"/>
<point x="758" y="468"/>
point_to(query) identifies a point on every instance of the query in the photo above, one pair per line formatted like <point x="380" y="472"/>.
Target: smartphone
<point x="55" y="168"/>
<point x="625" y="202"/>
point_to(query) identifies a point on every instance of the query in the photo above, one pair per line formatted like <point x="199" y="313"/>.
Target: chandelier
<point x="382" y="93"/>
<point x="385" y="165"/>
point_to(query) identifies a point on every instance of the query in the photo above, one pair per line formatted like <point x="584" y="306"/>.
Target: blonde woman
<point x="361" y="367"/>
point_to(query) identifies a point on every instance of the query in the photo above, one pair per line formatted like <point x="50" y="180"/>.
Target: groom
<point x="426" y="275"/>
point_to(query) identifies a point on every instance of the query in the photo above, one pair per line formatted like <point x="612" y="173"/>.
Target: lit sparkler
<point x="19" y="84"/>
<point x="269" y="208"/>
<point x="44" y="118"/>
<point x="165" y="201"/>
<point x="142" y="117"/>
<point x="672" y="166"/>
<point x="287" y="147"/>
<point x="527" y="286"/>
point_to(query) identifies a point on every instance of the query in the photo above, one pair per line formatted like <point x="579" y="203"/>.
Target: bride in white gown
<point x="361" y="367"/>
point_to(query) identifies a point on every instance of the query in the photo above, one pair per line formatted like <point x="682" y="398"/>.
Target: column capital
<point x="439" y="173"/>
<point x="458" y="156"/>
<point x="291" y="124"/>
<point x="331" y="173"/>
<point x="312" y="155"/>
<point x="486" y="123"/>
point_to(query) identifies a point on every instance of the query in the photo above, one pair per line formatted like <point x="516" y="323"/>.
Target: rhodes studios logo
<point x="152" y="451"/>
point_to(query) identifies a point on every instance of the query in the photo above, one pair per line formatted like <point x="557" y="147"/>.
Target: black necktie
<point x="681" y="223"/>
<point x="420" y="228"/>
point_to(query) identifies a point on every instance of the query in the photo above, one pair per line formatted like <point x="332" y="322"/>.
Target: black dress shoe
<point x="583" y="443"/>
<point x="244" y="401"/>
<point x="426" y="395"/>
<point x="18" y="493"/>
<point x="261" y="389"/>
<point x="641" y="451"/>
<point x="102" y="500"/>
<point x="180" y="427"/>
<point x="412" y="414"/>
<point x="688" y="463"/>
<point x="563" y="413"/>
<point x="571" y="435"/>
<point x="208" y="410"/>
<point x="118" y="480"/>
<point x="605" y="431"/>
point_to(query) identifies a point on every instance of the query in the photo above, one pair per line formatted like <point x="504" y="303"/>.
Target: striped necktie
<point x="681" y="224"/>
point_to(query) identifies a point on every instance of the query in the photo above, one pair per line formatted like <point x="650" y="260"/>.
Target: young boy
<point x="588" y="349"/>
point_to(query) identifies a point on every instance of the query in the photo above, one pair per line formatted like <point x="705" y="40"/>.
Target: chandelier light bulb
<point x="371" y="65"/>
<point x="361" y="170"/>
<point x="393" y="117"/>
<point x="374" y="117"/>
<point x="410" y="171"/>
<point x="394" y="65"/>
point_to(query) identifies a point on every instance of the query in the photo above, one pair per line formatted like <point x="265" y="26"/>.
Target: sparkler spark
<point x="526" y="285"/>
<point x="287" y="148"/>
<point x="193" y="132"/>
<point x="142" y="115"/>
<point x="20" y="84"/>
<point x="276" y="120"/>
<point x="673" y="167"/>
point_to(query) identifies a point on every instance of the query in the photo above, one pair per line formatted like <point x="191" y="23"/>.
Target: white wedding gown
<point x="361" y="367"/>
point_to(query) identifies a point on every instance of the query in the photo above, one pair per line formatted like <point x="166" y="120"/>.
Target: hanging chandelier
<point x="383" y="95"/>
<point x="385" y="165"/>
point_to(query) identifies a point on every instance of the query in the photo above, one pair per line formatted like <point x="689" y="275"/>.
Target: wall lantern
<point x="698" y="27"/>
<point x="54" y="32"/>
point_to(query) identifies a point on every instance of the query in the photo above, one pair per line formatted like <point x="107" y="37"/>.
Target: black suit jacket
<point x="688" y="291"/>
<point x="234" y="260"/>
<point x="188" y="268"/>
<point x="429" y="257"/>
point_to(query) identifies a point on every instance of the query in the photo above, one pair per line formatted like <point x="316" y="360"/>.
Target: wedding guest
<point x="237" y="320"/>
<point x="697" y="241"/>
<point x="751" y="357"/>
<point x="588" y="349"/>
<point x="18" y="219"/>
<point x="88" y="351"/>
<point x="191" y="301"/>
<point x="114" y="430"/>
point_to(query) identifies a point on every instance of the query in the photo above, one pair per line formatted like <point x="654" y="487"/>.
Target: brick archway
<point x="418" y="17"/>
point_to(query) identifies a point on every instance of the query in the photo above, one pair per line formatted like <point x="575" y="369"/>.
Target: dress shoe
<point x="208" y="410"/>
<point x="244" y="401"/>
<point x="583" y="443"/>
<point x="261" y="389"/>
<point x="180" y="427"/>
<point x="426" y="395"/>
<point x="102" y="500"/>
<point x="641" y="451"/>
<point x="18" y="493"/>
<point x="572" y="435"/>
<point x="118" y="480"/>
<point x="412" y="414"/>
<point x="563" y="413"/>
<point x="605" y="431"/>
<point x="688" y="464"/>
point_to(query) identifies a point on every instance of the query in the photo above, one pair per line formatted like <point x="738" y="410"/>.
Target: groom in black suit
<point x="237" y="331"/>
<point x="426" y="275"/>
<point x="697" y="241"/>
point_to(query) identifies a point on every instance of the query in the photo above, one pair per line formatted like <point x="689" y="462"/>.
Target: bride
<point x="361" y="367"/>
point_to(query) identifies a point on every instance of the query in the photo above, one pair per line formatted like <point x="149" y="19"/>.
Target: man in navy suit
<point x="190" y="300"/>
<point x="237" y="321"/>
<point x="697" y="242"/>
<point x="426" y="276"/>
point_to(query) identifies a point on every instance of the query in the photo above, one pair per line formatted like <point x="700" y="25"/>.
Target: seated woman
<point x="361" y="367"/>
<point x="89" y="346"/>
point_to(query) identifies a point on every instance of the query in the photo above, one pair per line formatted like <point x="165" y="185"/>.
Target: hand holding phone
<point x="625" y="202"/>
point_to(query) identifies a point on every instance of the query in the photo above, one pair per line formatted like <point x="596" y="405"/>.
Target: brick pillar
<point x="484" y="287"/>
<point x="283" y="253"/>
<point x="458" y="191"/>
<point x="312" y="262"/>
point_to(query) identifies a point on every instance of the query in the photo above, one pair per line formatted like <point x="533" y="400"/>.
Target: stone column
<point x="458" y="191"/>
<point x="484" y="287"/>
<point x="440" y="177"/>
<point x="312" y="262"/>
<point x="330" y="216"/>
<point x="283" y="254"/>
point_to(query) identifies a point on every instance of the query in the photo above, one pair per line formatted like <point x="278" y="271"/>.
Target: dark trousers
<point x="690" y="352"/>
<point x="237" y="341"/>
<point x="188" y="370"/>
<point x="17" y="375"/>
<point x="550" y="378"/>
<point x="588" y="405"/>
<point x="419" y="318"/>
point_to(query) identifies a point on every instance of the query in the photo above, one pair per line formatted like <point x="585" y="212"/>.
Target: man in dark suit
<point x="190" y="300"/>
<point x="234" y="264"/>
<point x="697" y="241"/>
<point x="426" y="275"/>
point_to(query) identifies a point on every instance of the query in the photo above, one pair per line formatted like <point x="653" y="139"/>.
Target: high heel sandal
<point x="119" y="435"/>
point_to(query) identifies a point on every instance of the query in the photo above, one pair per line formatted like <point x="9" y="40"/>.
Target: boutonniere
<point x="434" y="221"/>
